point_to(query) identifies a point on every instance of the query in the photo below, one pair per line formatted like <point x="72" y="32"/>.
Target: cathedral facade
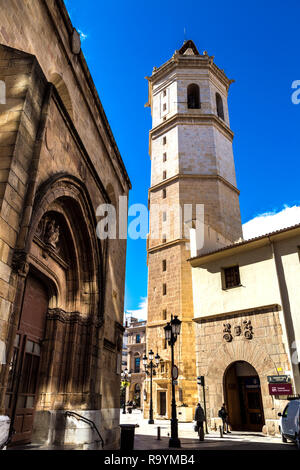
<point x="62" y="287"/>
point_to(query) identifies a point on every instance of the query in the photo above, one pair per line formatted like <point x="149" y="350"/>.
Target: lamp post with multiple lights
<point x="126" y="375"/>
<point x="151" y="366"/>
<point x="172" y="330"/>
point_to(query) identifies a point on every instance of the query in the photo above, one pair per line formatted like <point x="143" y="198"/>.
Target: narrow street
<point x="146" y="437"/>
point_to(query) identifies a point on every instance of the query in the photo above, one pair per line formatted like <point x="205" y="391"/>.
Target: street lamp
<point x="172" y="330"/>
<point x="151" y="366"/>
<point x="126" y="375"/>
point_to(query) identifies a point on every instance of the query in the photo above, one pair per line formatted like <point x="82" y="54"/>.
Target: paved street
<point x="146" y="437"/>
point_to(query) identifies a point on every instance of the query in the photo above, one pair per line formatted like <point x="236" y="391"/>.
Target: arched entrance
<point x="24" y="370"/>
<point x="243" y="397"/>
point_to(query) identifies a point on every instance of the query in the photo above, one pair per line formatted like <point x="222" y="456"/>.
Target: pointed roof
<point x="188" y="48"/>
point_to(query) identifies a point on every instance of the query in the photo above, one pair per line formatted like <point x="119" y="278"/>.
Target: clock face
<point x="75" y="42"/>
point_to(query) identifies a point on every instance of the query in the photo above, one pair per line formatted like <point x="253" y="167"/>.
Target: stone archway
<point x="248" y="351"/>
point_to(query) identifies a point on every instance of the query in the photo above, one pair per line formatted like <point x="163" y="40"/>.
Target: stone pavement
<point x="146" y="437"/>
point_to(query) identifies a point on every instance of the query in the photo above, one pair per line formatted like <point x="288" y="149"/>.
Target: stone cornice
<point x="192" y="119"/>
<point x="179" y="176"/>
<point x="162" y="246"/>
<point x="248" y="311"/>
<point x="198" y="62"/>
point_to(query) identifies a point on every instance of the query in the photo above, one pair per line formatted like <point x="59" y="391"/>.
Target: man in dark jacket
<point x="200" y="418"/>
<point x="224" y="416"/>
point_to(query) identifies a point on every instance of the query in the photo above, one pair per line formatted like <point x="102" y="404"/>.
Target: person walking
<point x="200" y="418"/>
<point x="224" y="416"/>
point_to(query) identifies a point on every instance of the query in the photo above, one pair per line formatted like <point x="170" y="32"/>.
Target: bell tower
<point x="191" y="163"/>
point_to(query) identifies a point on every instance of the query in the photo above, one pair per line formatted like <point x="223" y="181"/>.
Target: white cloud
<point x="271" y="221"/>
<point x="83" y="36"/>
<point x="141" y="312"/>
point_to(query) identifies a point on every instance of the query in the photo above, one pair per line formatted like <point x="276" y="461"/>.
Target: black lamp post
<point x="172" y="330"/>
<point x="151" y="366"/>
<point x="126" y="375"/>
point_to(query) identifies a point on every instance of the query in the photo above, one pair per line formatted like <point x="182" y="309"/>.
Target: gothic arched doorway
<point x="243" y="397"/>
<point x="25" y="366"/>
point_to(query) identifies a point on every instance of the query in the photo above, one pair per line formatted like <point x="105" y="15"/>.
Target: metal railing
<point x="86" y="420"/>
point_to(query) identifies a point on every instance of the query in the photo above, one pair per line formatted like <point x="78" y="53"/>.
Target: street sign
<point x="278" y="379"/>
<point x="175" y="373"/>
<point x="280" y="389"/>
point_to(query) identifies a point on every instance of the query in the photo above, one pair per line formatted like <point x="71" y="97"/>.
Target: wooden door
<point x="254" y="409"/>
<point x="162" y="403"/>
<point x="24" y="369"/>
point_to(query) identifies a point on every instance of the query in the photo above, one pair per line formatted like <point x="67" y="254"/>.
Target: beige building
<point x="61" y="287"/>
<point x="133" y="351"/>
<point x="191" y="163"/>
<point x="246" y="311"/>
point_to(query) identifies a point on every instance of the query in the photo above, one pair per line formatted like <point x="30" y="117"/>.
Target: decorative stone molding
<point x="247" y="331"/>
<point x="20" y="264"/>
<point x="227" y="331"/>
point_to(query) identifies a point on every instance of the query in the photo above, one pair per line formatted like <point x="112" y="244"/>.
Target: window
<point x="193" y="96"/>
<point x="165" y="93"/>
<point x="232" y="277"/>
<point x="164" y="314"/>
<point x="164" y="140"/>
<point x="164" y="264"/>
<point x="164" y="238"/>
<point x="164" y="107"/>
<point x="219" y="103"/>
<point x="164" y="193"/>
<point x="164" y="157"/>
<point x="164" y="216"/>
<point x="137" y="362"/>
<point x="138" y="338"/>
<point x="164" y="289"/>
<point x="164" y="175"/>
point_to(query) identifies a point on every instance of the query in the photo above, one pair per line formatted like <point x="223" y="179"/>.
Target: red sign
<point x="280" y="389"/>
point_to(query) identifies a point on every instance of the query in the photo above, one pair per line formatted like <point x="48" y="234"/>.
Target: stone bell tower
<point x="192" y="163"/>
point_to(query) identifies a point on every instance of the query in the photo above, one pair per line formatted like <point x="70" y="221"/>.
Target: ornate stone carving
<point x="48" y="231"/>
<point x="227" y="331"/>
<point x="20" y="263"/>
<point x="248" y="329"/>
<point x="237" y="331"/>
<point x="52" y="233"/>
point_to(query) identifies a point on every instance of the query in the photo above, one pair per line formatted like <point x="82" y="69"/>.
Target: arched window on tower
<point x="219" y="103"/>
<point x="193" y="96"/>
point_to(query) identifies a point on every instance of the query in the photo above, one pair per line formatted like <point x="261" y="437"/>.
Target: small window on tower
<point x="165" y="157"/>
<point x="193" y="96"/>
<point x="164" y="175"/>
<point x="164" y="140"/>
<point x="164" y="107"/>
<point x="165" y="93"/>
<point x="164" y="238"/>
<point x="164" y="264"/>
<point x="164" y="193"/>
<point x="219" y="103"/>
<point x="231" y="277"/>
<point x="164" y="289"/>
<point x="164" y="314"/>
<point x="164" y="216"/>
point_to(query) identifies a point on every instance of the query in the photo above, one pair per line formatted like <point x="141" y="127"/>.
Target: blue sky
<point x="256" y="43"/>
